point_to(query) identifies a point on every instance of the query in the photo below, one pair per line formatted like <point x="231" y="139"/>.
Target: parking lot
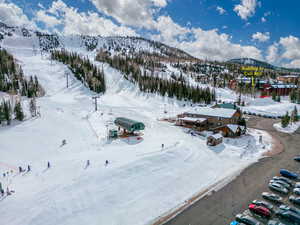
<point x="221" y="207"/>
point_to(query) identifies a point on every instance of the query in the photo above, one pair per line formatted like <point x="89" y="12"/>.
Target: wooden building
<point x="231" y="130"/>
<point x="216" y="117"/>
<point x="290" y="79"/>
<point x="279" y="89"/>
<point x="199" y="124"/>
<point x="214" y="139"/>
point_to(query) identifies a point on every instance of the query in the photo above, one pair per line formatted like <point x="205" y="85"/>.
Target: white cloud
<point x="286" y="52"/>
<point x="261" y="37"/>
<point x="273" y="53"/>
<point x="221" y="10"/>
<point x="50" y="21"/>
<point x="263" y="19"/>
<point x="246" y="8"/>
<point x="131" y="12"/>
<point x="291" y="46"/>
<point x="74" y="22"/>
<point x="13" y="15"/>
<point x="202" y="43"/>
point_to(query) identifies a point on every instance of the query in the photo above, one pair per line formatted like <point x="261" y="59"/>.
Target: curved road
<point x="221" y="207"/>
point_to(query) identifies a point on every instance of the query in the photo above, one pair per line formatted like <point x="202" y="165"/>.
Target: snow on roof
<point x="234" y="127"/>
<point x="192" y="119"/>
<point x="213" y="112"/>
<point x="284" y="86"/>
<point x="216" y="136"/>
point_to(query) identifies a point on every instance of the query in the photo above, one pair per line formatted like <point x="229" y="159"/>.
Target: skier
<point x="20" y="169"/>
<point x="7" y="191"/>
<point x="106" y="162"/>
<point x="4" y="174"/>
<point x="162" y="146"/>
<point x="64" y="142"/>
<point x="2" y="192"/>
<point x="48" y="165"/>
<point x="28" y="169"/>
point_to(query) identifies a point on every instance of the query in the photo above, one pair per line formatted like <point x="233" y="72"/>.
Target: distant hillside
<point x="257" y="63"/>
<point x="251" y="62"/>
<point x="127" y="46"/>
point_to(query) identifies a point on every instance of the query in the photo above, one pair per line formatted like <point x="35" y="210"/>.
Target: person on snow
<point x="20" y="169"/>
<point x="106" y="162"/>
<point x="48" y="165"/>
<point x="7" y="191"/>
<point x="87" y="163"/>
<point x="2" y="192"/>
<point x="28" y="168"/>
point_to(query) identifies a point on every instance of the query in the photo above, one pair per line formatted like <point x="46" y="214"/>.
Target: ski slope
<point x="141" y="182"/>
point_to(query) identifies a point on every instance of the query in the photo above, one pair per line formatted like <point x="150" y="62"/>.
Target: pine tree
<point x="295" y="115"/>
<point x="7" y="112"/>
<point x="285" y="120"/>
<point x="32" y="107"/>
<point x="19" y="114"/>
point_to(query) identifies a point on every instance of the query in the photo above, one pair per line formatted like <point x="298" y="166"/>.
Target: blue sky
<point x="212" y="29"/>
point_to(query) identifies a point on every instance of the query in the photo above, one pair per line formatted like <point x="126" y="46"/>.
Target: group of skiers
<point x="21" y="170"/>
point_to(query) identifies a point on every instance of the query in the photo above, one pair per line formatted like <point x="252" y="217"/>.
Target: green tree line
<point x="83" y="69"/>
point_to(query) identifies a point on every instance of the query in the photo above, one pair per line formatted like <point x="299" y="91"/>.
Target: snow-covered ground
<point x="266" y="106"/>
<point x="291" y="128"/>
<point x="141" y="182"/>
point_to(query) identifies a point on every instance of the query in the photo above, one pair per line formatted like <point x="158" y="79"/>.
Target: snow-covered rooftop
<point x="234" y="127"/>
<point x="217" y="136"/>
<point x="192" y="119"/>
<point x="214" y="112"/>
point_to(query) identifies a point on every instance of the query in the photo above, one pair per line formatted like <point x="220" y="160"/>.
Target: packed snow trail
<point x="141" y="182"/>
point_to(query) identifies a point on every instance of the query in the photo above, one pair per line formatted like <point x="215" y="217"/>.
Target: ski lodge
<point x="208" y="118"/>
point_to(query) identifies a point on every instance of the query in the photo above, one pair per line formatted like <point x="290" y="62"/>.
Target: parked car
<point x="274" y="222"/>
<point x="281" y="182"/>
<point x="287" y="180"/>
<point x="272" y="197"/>
<point x="279" y="188"/>
<point x="297" y="185"/>
<point x="264" y="204"/>
<point x="288" y="174"/>
<point x="297" y="158"/>
<point x="295" y="200"/>
<point x="288" y="215"/>
<point x="296" y="191"/>
<point x="260" y="210"/>
<point x="248" y="220"/>
<point x="236" y="223"/>
<point x="289" y="208"/>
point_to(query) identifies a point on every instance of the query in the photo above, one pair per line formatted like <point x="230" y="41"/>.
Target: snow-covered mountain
<point x="116" y="44"/>
<point x="142" y="180"/>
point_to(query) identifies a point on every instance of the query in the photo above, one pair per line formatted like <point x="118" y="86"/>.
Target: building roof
<point x="284" y="86"/>
<point x="234" y="127"/>
<point x="128" y="124"/>
<point x="213" y="112"/>
<point x="216" y="136"/>
<point x="192" y="119"/>
<point x="227" y="106"/>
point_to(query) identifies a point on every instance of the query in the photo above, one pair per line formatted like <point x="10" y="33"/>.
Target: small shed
<point x="129" y="125"/>
<point x="214" y="139"/>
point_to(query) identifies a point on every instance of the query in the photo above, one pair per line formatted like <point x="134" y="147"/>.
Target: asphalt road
<point x="221" y="207"/>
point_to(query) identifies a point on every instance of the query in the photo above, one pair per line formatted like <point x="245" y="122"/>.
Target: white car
<point x="296" y="191"/>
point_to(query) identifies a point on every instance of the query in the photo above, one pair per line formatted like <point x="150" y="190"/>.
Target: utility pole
<point x="67" y="77"/>
<point x="96" y="103"/>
